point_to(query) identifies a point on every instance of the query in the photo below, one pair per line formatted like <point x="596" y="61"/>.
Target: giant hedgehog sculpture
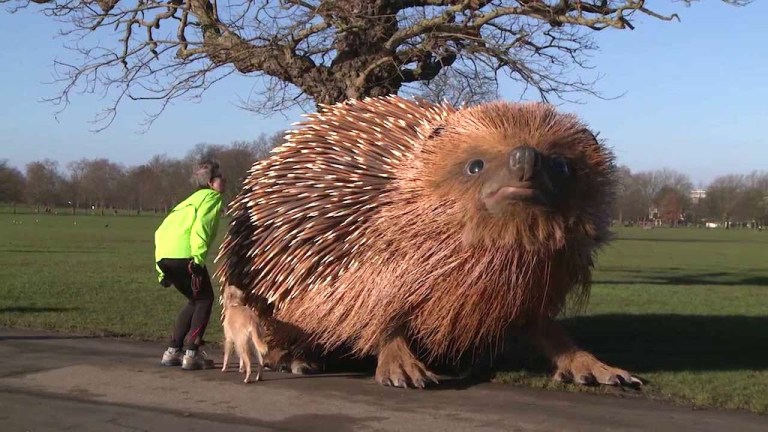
<point x="388" y="221"/>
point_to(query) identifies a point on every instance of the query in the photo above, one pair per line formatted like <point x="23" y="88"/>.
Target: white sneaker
<point x="171" y="357"/>
<point x="194" y="360"/>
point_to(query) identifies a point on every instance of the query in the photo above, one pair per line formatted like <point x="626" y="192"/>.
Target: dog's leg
<point x="259" y="365"/>
<point x="243" y="350"/>
<point x="259" y="368"/>
<point x="247" y="361"/>
<point x="227" y="351"/>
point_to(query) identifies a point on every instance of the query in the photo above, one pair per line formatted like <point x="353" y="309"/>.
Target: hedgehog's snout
<point x="523" y="180"/>
<point x="524" y="162"/>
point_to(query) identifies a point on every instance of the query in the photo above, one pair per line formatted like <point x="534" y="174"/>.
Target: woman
<point x="181" y="246"/>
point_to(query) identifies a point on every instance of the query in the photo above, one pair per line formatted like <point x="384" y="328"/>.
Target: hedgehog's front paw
<point x="403" y="372"/>
<point x="397" y="367"/>
<point x="583" y="368"/>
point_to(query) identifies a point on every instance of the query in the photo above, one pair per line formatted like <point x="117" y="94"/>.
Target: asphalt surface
<point x="53" y="382"/>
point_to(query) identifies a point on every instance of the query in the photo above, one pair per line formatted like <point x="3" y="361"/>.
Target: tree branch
<point x="328" y="50"/>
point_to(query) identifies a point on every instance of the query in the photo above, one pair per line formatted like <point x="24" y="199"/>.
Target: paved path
<point x="52" y="382"/>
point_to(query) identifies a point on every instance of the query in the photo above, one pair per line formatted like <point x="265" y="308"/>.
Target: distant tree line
<point x="100" y="185"/>
<point x="668" y="197"/>
<point x="662" y="196"/>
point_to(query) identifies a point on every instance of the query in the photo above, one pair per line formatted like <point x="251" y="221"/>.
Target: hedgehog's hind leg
<point x="398" y="367"/>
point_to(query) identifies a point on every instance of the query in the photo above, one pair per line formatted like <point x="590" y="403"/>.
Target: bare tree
<point x="264" y="144"/>
<point x="325" y="51"/>
<point x="170" y="180"/>
<point x="638" y="192"/>
<point x="723" y="195"/>
<point x="651" y="183"/>
<point x="44" y="183"/>
<point x="12" y="184"/>
<point x="458" y="88"/>
<point x="739" y="198"/>
<point x="626" y="196"/>
<point x="139" y="185"/>
<point x="236" y="159"/>
<point x="667" y="177"/>
<point x="671" y="204"/>
<point x="75" y="188"/>
<point x="756" y="197"/>
<point x="96" y="182"/>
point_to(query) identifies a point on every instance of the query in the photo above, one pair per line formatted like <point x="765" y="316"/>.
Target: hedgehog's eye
<point x="475" y="166"/>
<point x="560" y="165"/>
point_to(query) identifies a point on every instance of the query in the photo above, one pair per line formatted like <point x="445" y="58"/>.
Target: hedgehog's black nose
<point x="523" y="163"/>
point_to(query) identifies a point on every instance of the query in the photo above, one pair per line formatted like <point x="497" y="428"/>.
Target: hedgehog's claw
<point x="398" y="367"/>
<point x="575" y="364"/>
<point x="428" y="377"/>
<point x="413" y="375"/>
<point x="583" y="368"/>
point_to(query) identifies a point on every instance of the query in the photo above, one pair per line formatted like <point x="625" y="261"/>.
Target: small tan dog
<point x="244" y="331"/>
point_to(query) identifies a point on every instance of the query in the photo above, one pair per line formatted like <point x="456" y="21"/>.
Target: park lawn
<point x="685" y="309"/>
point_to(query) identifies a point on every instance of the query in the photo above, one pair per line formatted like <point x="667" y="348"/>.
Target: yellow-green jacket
<point x="189" y="230"/>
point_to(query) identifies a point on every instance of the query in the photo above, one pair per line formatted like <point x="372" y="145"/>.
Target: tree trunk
<point x="348" y="89"/>
<point x="362" y="68"/>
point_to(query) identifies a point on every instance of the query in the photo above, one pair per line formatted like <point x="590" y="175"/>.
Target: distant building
<point x="698" y="194"/>
<point x="653" y="213"/>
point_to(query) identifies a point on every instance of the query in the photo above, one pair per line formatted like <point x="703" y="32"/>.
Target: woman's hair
<point x="204" y="172"/>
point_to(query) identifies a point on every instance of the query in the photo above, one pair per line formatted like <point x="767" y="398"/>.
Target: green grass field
<point x="685" y="309"/>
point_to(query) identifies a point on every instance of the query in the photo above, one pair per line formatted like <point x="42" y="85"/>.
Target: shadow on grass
<point x="712" y="278"/>
<point x="692" y="240"/>
<point x="647" y="343"/>
<point x="34" y="309"/>
<point x="638" y="343"/>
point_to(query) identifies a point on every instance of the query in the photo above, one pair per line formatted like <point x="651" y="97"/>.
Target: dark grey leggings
<point x="193" y="318"/>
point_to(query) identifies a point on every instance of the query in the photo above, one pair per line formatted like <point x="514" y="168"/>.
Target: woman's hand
<point x="196" y="271"/>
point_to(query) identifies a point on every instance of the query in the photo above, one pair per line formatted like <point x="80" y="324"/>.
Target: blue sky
<point x="695" y="99"/>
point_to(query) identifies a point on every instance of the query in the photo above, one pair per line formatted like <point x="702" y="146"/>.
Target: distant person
<point x="182" y="243"/>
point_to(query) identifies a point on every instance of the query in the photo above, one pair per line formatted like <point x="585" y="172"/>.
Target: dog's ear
<point x="233" y="296"/>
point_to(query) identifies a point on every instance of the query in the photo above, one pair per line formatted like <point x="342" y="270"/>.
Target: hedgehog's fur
<point x="364" y="221"/>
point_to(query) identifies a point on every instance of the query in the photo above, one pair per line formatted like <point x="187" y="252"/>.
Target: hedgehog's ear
<point x="594" y="136"/>
<point x="436" y="131"/>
